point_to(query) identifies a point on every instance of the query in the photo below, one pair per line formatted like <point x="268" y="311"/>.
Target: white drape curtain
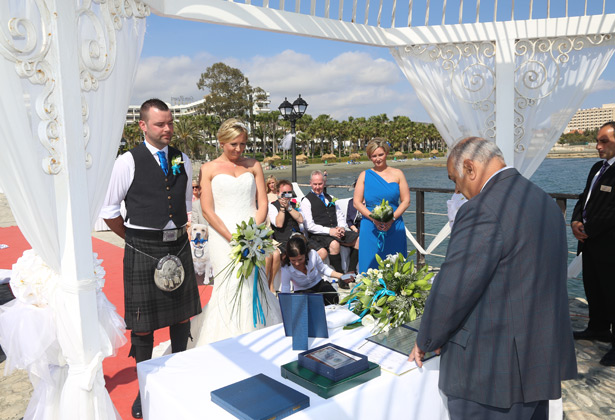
<point x="456" y="85"/>
<point x="35" y="330"/>
<point x="552" y="78"/>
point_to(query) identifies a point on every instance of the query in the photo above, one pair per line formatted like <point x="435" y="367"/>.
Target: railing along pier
<point x="419" y="201"/>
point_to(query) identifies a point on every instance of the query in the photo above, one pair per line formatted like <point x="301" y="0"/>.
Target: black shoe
<point x="609" y="358"/>
<point x="137" y="412"/>
<point x="604" y="336"/>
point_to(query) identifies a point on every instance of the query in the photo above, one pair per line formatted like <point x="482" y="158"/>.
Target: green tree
<point x="187" y="137"/>
<point x="399" y="131"/>
<point x="229" y="92"/>
<point x="133" y="135"/>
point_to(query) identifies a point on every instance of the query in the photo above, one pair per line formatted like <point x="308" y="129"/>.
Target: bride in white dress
<point x="232" y="191"/>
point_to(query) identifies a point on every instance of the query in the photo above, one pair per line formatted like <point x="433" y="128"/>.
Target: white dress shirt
<point x="306" y="211"/>
<point x="121" y="179"/>
<point x="316" y="269"/>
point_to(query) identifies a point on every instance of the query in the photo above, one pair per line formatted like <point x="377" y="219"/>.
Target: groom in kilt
<point x="154" y="181"/>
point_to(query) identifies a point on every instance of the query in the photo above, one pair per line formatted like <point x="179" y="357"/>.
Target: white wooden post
<point x="77" y="293"/>
<point x="505" y="95"/>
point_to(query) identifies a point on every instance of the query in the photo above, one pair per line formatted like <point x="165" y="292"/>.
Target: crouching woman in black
<point x="306" y="270"/>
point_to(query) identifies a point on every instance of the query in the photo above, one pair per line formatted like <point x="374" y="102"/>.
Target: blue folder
<point x="260" y="398"/>
<point x="304" y="316"/>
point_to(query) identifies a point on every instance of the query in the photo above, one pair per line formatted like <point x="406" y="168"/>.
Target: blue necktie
<point x="163" y="162"/>
<point x="322" y="198"/>
<point x="605" y="166"/>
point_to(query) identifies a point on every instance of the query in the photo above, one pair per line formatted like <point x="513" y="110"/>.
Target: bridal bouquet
<point x="390" y="295"/>
<point x="250" y="246"/>
<point x="383" y="212"/>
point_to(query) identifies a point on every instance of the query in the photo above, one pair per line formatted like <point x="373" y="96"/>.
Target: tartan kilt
<point x="146" y="307"/>
<point x="325" y="240"/>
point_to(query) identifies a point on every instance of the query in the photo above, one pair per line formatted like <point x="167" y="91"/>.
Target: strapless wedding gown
<point x="226" y="315"/>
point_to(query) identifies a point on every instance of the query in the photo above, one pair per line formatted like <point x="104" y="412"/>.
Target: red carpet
<point x="120" y="372"/>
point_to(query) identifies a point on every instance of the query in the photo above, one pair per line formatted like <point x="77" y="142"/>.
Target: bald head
<point x="472" y="162"/>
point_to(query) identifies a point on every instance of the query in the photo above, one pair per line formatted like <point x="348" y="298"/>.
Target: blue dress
<point x="371" y="240"/>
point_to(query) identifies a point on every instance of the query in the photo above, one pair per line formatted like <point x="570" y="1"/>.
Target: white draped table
<point x="178" y="386"/>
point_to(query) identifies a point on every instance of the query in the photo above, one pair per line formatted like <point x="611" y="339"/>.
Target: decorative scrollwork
<point x="28" y="44"/>
<point x="471" y="71"/>
<point x="538" y="72"/>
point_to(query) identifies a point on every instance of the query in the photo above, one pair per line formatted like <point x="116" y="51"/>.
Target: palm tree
<point x="187" y="136"/>
<point x="400" y="129"/>
<point x="322" y="128"/>
<point x="378" y="126"/>
<point x="133" y="135"/>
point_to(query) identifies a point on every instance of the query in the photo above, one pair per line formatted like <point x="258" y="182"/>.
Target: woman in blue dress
<point x="374" y="185"/>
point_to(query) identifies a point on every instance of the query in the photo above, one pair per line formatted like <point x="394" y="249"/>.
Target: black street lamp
<point x="292" y="112"/>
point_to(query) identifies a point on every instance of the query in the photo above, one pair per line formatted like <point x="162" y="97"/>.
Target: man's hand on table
<point x="417" y="355"/>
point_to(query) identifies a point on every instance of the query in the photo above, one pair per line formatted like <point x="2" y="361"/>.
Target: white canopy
<point x="67" y="71"/>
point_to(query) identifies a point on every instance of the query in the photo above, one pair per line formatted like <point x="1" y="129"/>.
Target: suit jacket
<point x="499" y="306"/>
<point x="600" y="210"/>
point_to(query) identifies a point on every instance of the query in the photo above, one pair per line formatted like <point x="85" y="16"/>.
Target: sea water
<point x="553" y="176"/>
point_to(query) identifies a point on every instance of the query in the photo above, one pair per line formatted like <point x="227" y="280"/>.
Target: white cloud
<point x="352" y="83"/>
<point x="168" y="77"/>
<point x="602" y="85"/>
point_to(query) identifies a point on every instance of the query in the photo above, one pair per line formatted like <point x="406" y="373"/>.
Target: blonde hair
<point x="269" y="178"/>
<point x="230" y="129"/>
<point x="376" y="143"/>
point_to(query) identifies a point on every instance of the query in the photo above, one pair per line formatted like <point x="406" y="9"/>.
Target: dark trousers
<point x="460" y="409"/>
<point x="599" y="286"/>
<point x="328" y="292"/>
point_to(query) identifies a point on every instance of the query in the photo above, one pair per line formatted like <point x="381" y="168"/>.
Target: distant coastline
<point x="333" y="168"/>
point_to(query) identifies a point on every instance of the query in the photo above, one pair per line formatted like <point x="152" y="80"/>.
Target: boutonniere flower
<point x="175" y="162"/>
<point x="332" y="202"/>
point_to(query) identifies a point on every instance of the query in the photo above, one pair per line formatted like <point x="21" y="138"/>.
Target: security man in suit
<point x="153" y="180"/>
<point x="593" y="224"/>
<point x="498" y="309"/>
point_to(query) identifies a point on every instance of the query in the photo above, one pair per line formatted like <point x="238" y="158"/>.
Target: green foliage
<point x="230" y="93"/>
<point x="576" y="137"/>
<point x="392" y="294"/>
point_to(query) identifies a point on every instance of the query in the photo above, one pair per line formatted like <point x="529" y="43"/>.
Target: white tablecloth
<point x="178" y="386"/>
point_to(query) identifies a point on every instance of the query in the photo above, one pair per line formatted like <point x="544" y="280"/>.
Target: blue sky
<point x="335" y="78"/>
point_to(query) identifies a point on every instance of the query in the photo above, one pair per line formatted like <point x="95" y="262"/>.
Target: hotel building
<point x="588" y="119"/>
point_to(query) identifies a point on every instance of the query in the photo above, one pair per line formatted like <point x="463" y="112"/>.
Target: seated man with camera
<point x="285" y="221"/>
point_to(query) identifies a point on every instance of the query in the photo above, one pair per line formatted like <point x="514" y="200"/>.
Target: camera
<point x="289" y="194"/>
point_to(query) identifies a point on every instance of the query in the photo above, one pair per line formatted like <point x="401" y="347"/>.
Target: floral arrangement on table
<point x="250" y="246"/>
<point x="383" y="212"/>
<point x="390" y="295"/>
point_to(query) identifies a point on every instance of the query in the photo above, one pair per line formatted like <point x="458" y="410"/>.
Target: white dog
<point x="200" y="251"/>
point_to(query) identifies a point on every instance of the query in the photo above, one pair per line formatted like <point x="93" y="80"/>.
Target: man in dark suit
<point x="593" y="224"/>
<point x="498" y="310"/>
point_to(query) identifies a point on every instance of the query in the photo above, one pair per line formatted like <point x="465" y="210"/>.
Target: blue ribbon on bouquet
<point x="381" y="239"/>
<point x="382" y="292"/>
<point x="257" y="309"/>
